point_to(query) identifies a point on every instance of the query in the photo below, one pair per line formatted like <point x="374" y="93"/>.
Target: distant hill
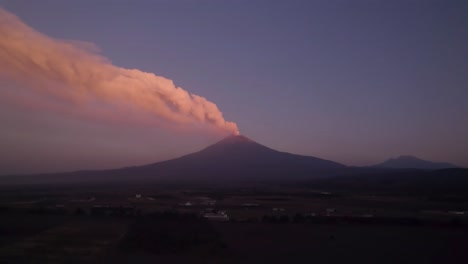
<point x="410" y="162"/>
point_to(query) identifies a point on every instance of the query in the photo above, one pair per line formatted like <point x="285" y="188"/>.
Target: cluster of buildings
<point x="214" y="215"/>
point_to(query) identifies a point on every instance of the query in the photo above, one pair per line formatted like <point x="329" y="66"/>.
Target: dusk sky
<point x="356" y="82"/>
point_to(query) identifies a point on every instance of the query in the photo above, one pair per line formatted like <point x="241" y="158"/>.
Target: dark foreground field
<point x="186" y="239"/>
<point x="302" y="243"/>
<point x="147" y="224"/>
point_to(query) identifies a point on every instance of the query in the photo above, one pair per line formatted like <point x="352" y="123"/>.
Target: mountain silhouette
<point x="411" y="162"/>
<point x="233" y="158"/>
<point x="238" y="157"/>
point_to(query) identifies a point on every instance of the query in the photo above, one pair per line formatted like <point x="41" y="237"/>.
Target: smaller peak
<point x="407" y="157"/>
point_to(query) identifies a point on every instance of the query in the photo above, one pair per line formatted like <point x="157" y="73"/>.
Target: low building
<point x="276" y="209"/>
<point x="186" y="204"/>
<point x="209" y="202"/>
<point x="216" y="216"/>
<point x="330" y="211"/>
<point x="457" y="212"/>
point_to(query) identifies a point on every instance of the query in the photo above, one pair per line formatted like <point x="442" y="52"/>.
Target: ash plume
<point x="73" y="72"/>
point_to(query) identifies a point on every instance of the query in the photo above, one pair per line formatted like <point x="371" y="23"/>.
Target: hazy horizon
<point x="353" y="82"/>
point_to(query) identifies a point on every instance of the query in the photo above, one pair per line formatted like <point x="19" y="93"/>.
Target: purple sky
<point x="356" y="82"/>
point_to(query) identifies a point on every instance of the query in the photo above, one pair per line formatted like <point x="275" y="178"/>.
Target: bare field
<point x="148" y="224"/>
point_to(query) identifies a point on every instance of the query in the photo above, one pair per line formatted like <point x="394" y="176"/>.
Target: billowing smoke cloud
<point x="72" y="71"/>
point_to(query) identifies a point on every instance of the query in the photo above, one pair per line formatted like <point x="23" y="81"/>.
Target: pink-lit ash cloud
<point x="73" y="74"/>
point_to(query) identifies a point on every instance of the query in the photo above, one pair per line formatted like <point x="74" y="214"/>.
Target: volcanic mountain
<point x="238" y="157"/>
<point x="233" y="158"/>
<point x="406" y="162"/>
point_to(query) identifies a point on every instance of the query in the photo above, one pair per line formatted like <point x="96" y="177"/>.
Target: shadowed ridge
<point x="407" y="157"/>
<point x="412" y="162"/>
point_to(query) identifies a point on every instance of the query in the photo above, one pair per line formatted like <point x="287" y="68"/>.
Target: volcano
<point x="238" y="157"/>
<point x="231" y="159"/>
